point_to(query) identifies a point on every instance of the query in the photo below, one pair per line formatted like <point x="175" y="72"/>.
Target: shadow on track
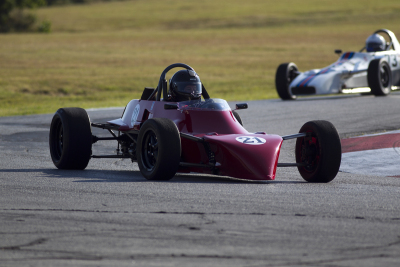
<point x="326" y="97"/>
<point x="335" y="96"/>
<point x="117" y="176"/>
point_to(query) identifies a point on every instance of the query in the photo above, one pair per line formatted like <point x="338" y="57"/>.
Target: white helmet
<point x="375" y="42"/>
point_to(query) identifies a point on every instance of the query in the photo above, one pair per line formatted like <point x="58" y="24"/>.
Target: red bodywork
<point x="253" y="157"/>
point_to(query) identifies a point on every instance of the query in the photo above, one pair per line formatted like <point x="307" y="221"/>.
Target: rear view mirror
<point x="242" y="106"/>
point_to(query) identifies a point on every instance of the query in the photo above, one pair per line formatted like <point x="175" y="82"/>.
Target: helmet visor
<point x="374" y="47"/>
<point x="189" y="88"/>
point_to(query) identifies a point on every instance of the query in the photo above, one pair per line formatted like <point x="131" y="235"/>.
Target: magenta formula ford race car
<point x="192" y="136"/>
<point x="375" y="70"/>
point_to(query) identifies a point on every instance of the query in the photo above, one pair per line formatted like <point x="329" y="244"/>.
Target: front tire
<point x="237" y="117"/>
<point x="158" y="149"/>
<point x="320" y="151"/>
<point x="70" y="139"/>
<point x="379" y="77"/>
<point x="285" y="74"/>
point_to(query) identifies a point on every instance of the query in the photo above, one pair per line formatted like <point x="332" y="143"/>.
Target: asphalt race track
<point x="109" y="215"/>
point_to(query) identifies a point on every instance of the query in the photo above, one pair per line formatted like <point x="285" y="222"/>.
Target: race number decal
<point x="135" y="114"/>
<point x="251" y="140"/>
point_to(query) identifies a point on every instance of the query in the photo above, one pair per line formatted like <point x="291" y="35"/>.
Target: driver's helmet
<point x="375" y="42"/>
<point x="185" y="85"/>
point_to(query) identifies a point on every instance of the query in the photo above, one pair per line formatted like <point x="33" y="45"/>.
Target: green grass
<point x="104" y="54"/>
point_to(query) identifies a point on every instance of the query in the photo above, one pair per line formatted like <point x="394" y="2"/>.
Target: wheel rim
<point x="384" y="74"/>
<point x="310" y="154"/>
<point x="58" y="140"/>
<point x="150" y="150"/>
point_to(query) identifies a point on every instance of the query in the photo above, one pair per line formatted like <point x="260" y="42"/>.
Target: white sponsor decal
<point x="135" y="114"/>
<point x="251" y="140"/>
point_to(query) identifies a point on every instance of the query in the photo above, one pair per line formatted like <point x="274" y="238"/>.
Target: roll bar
<point x="162" y="83"/>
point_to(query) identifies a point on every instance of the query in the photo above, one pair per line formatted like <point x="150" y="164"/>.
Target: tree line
<point x="15" y="15"/>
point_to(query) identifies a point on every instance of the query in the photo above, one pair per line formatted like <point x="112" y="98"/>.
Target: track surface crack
<point x="33" y="243"/>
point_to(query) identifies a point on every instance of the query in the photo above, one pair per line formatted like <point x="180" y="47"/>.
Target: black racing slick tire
<point x="70" y="139"/>
<point x="158" y="149"/>
<point x="237" y="117"/>
<point x="379" y="77"/>
<point x="320" y="152"/>
<point x="285" y="74"/>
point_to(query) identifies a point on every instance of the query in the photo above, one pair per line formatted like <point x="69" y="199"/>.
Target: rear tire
<point x="321" y="152"/>
<point x="158" y="149"/>
<point x="285" y="74"/>
<point x="70" y="139"/>
<point x="379" y="77"/>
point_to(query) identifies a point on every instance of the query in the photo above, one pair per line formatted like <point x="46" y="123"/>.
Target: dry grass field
<point x="104" y="54"/>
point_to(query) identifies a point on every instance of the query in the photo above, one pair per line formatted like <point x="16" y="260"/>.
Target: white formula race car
<point x="377" y="70"/>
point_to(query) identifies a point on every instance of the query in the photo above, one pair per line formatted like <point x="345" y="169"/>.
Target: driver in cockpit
<point x="375" y="43"/>
<point x="184" y="85"/>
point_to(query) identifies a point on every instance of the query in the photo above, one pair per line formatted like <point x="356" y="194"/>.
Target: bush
<point x="13" y="16"/>
<point x="5" y="8"/>
<point x="21" y="21"/>
<point x="45" y="26"/>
